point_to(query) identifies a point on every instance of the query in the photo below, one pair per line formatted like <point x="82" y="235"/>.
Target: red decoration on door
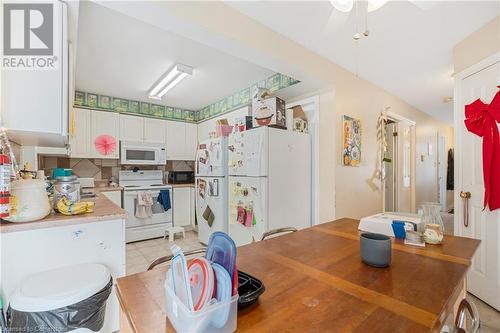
<point x="105" y="144"/>
<point x="481" y="119"/>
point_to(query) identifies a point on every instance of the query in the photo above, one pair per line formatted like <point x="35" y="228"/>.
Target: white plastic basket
<point x="217" y="318"/>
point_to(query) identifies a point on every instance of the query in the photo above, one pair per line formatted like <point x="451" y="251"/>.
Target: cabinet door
<point x="191" y="141"/>
<point x="105" y="123"/>
<point x="154" y="130"/>
<point x="182" y="206"/>
<point x="80" y="139"/>
<point x="176" y="140"/>
<point x="131" y="128"/>
<point x="192" y="206"/>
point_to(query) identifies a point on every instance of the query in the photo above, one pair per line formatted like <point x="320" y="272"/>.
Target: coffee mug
<point x="375" y="249"/>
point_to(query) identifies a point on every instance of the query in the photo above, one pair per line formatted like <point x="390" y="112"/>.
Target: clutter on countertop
<point x="29" y="201"/>
<point x="382" y="223"/>
<point x="202" y="295"/>
<point x="434" y="226"/>
<point x="68" y="187"/>
<point x="66" y="207"/>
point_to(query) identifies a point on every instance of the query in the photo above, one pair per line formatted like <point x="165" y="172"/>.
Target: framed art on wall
<point x="351" y="141"/>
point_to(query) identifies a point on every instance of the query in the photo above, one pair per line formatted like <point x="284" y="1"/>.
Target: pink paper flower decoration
<point x="105" y="144"/>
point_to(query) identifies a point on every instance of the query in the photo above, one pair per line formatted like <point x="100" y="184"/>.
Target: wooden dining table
<point x="316" y="282"/>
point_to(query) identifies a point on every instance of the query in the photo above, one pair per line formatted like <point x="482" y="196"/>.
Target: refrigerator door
<point x="248" y="153"/>
<point x="211" y="206"/>
<point x="248" y="209"/>
<point x="211" y="158"/>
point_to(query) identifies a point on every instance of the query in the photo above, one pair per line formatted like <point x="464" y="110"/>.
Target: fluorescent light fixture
<point x="170" y="80"/>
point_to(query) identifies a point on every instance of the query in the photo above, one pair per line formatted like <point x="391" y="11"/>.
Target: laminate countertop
<point x="104" y="210"/>
<point x="316" y="282"/>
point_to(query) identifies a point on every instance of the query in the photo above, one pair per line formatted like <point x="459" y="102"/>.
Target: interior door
<point x="484" y="274"/>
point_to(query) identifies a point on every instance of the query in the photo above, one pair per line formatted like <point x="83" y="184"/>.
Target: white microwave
<point x="139" y="153"/>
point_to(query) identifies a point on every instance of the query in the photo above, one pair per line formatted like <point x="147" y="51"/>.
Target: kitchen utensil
<point x="375" y="249"/>
<point x="249" y="289"/>
<point x="29" y="201"/>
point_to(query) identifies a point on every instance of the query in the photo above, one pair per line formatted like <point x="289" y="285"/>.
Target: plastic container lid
<point x="60" y="287"/>
<point x="223" y="294"/>
<point x="201" y="280"/>
<point x="222" y="250"/>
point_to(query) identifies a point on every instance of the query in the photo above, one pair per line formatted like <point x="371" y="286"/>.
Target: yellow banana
<point x="65" y="207"/>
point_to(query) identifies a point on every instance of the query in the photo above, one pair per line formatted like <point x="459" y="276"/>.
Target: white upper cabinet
<point x="79" y="139"/>
<point x="34" y="102"/>
<point x="176" y="140"/>
<point x="131" y="128"/>
<point x="105" y="123"/>
<point x="154" y="130"/>
<point x="191" y="140"/>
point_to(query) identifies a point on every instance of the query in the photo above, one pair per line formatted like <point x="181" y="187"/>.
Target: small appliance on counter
<point x="181" y="177"/>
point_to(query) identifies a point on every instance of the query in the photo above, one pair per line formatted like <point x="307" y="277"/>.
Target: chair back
<point x="167" y="259"/>
<point x="278" y="231"/>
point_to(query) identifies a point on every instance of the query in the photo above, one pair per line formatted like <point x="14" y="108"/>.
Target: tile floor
<point x="141" y="254"/>
<point x="490" y="318"/>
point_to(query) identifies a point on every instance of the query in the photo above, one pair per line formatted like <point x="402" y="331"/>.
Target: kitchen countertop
<point x="104" y="210"/>
<point x="181" y="185"/>
<point x="315" y="281"/>
<point x="103" y="189"/>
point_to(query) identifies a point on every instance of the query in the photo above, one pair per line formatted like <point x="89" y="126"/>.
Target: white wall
<point x="208" y="126"/>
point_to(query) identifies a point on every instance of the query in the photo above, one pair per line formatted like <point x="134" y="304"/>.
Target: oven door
<point x="159" y="214"/>
<point x="137" y="155"/>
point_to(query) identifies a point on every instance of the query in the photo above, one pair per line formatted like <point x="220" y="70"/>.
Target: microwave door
<point x="139" y="156"/>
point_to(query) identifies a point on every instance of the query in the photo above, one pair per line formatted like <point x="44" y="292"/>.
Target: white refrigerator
<point x="211" y="187"/>
<point x="269" y="183"/>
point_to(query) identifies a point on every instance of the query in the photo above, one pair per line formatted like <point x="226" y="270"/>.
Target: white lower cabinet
<point x="115" y="196"/>
<point x="183" y="206"/>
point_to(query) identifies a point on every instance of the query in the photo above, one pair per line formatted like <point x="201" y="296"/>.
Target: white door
<point x="484" y="274"/>
<point x="131" y="128"/>
<point x="154" y="130"/>
<point x="211" y="206"/>
<point x="105" y="123"/>
<point x="248" y="153"/>
<point x="248" y="209"/>
<point x="176" y="140"/>
<point x="182" y="206"/>
<point x="80" y="139"/>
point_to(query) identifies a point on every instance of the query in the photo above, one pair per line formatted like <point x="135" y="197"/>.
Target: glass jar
<point x="434" y="226"/>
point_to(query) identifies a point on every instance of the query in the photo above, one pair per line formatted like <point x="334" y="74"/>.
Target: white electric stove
<point x="150" y="181"/>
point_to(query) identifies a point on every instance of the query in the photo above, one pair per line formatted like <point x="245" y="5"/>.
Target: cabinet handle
<point x="466" y="196"/>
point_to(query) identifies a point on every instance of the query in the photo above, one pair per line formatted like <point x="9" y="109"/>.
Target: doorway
<point x="398" y="156"/>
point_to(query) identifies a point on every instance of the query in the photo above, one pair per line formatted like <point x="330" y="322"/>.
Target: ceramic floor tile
<point x="130" y="246"/>
<point x="490" y="318"/>
<point x="137" y="260"/>
<point x="136" y="269"/>
<point x="144" y="244"/>
<point x="132" y="253"/>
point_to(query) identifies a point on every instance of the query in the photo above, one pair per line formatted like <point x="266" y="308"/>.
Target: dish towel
<point x="164" y="199"/>
<point x="144" y="205"/>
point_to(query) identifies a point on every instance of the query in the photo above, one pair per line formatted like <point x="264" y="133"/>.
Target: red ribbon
<point x="481" y="119"/>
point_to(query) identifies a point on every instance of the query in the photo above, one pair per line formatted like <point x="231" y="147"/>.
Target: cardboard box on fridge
<point x="269" y="112"/>
<point x="297" y="119"/>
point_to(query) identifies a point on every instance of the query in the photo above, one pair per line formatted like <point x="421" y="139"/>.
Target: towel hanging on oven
<point x="144" y="203"/>
<point x="164" y="199"/>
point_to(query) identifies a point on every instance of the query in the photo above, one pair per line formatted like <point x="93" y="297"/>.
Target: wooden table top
<point x="316" y="282"/>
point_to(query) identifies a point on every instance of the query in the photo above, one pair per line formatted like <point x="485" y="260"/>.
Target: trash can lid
<point x="59" y="287"/>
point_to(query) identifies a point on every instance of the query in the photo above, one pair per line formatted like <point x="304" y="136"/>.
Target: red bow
<point x="481" y="119"/>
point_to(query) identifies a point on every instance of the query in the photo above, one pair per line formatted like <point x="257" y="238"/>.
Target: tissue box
<point x="382" y="223"/>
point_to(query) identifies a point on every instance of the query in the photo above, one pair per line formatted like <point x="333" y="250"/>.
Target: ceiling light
<point x="170" y="80"/>
<point x="375" y="4"/>
<point x="344" y="6"/>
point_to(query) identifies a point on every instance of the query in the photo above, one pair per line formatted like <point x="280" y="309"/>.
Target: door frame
<point x="398" y="119"/>
<point x="314" y="133"/>
<point x="457" y="97"/>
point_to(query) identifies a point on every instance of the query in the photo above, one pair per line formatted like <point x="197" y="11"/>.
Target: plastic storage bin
<point x="216" y="318"/>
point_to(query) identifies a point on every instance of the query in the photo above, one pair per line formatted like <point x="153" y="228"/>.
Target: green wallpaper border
<point x="89" y="100"/>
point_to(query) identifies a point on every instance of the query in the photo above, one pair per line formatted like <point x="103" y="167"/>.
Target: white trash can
<point x="68" y="299"/>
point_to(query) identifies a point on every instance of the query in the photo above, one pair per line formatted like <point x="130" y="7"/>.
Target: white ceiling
<point x="120" y="56"/>
<point x="408" y="51"/>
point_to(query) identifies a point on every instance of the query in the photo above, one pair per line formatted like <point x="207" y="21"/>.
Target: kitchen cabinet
<point x="34" y="102"/>
<point x="140" y="129"/>
<point x="131" y="128"/>
<point x="181" y="140"/>
<point x="105" y="123"/>
<point x="115" y="196"/>
<point x="183" y="206"/>
<point x="154" y="130"/>
<point x="79" y="140"/>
